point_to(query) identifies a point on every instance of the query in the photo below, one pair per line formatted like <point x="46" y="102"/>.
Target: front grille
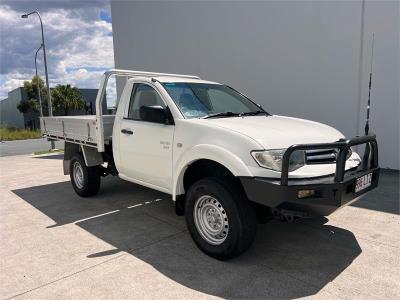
<point x="326" y="156"/>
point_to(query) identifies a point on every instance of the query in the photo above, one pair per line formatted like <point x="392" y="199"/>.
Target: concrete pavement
<point x="126" y="242"/>
<point x="8" y="148"/>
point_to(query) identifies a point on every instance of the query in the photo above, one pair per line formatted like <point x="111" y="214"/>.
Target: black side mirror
<point x="153" y="113"/>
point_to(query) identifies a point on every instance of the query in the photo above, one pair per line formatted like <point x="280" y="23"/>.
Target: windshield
<point x="197" y="100"/>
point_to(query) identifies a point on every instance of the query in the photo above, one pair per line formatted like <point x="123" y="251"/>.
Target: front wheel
<point x="85" y="180"/>
<point x="220" y="219"/>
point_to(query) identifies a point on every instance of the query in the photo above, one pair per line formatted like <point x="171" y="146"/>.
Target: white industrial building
<point x="309" y="59"/>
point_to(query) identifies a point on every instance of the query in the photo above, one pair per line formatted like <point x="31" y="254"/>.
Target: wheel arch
<point x="90" y="155"/>
<point x="206" y="154"/>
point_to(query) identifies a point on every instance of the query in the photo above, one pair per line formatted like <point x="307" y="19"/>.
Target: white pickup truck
<point x="226" y="162"/>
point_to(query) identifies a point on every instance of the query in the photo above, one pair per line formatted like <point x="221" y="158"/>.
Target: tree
<point x="28" y="106"/>
<point x="32" y="104"/>
<point x="66" y="98"/>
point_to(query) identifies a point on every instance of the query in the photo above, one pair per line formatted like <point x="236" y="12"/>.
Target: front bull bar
<point x="369" y="160"/>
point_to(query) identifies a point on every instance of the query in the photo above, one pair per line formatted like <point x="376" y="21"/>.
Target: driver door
<point x="146" y="147"/>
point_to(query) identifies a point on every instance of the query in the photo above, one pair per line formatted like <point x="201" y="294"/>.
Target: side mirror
<point x="153" y="113"/>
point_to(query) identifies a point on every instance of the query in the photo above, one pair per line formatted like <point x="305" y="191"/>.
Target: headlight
<point x="272" y="159"/>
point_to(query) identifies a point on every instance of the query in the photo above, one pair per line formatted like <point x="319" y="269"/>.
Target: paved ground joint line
<point x="96" y="216"/>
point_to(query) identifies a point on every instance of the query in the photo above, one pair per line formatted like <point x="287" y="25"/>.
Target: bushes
<point x="10" y="133"/>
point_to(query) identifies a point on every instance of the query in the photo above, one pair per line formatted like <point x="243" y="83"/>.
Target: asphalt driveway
<point x="8" y="148"/>
<point x="127" y="243"/>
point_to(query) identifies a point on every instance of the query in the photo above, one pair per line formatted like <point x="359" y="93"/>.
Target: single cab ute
<point x="226" y="162"/>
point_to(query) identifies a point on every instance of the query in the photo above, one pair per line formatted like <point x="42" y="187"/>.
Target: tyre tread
<point x="92" y="174"/>
<point x="244" y="213"/>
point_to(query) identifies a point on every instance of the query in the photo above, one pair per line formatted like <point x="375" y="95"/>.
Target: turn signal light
<point x="305" y="193"/>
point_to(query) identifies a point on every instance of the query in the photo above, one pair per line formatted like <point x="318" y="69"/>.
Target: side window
<point x="142" y="95"/>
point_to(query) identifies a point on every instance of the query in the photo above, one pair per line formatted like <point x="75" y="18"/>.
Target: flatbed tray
<point x="80" y="129"/>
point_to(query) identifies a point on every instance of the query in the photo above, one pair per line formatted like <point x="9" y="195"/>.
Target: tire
<point x="85" y="180"/>
<point x="221" y="221"/>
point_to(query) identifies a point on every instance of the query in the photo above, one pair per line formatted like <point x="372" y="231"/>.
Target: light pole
<point x="25" y="16"/>
<point x="38" y="82"/>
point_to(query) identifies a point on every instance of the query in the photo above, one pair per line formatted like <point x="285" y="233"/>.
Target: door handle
<point x="127" y="131"/>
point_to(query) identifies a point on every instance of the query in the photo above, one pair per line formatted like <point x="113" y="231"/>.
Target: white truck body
<point x="153" y="148"/>
<point x="159" y="154"/>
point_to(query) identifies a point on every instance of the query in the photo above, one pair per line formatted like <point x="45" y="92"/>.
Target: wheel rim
<point x="211" y="220"/>
<point x="78" y="175"/>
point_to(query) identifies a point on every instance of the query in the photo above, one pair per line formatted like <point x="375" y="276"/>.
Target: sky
<point x="78" y="37"/>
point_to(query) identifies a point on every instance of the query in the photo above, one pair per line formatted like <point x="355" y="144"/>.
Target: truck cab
<point x="226" y="161"/>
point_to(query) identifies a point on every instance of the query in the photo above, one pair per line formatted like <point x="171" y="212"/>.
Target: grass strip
<point x="12" y="134"/>
<point x="48" y="151"/>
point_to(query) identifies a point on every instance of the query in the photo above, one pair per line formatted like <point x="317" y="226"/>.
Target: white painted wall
<point x="307" y="59"/>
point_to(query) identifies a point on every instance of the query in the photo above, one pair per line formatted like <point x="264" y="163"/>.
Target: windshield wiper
<point x="253" y="113"/>
<point x="221" y="114"/>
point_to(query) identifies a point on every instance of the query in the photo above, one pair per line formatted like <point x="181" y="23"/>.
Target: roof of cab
<point x="165" y="79"/>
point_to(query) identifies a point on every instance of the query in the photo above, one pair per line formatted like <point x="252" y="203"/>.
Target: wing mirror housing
<point x="154" y="114"/>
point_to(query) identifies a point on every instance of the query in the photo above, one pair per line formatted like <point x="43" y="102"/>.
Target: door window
<point x="143" y="95"/>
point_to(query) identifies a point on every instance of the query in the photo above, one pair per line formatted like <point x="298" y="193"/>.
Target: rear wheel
<point x="85" y="180"/>
<point x="220" y="219"/>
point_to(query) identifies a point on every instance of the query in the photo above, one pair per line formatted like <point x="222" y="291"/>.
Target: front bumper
<point x="330" y="192"/>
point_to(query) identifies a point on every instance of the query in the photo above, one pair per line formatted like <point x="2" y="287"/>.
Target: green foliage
<point x="24" y="107"/>
<point x="9" y="133"/>
<point x="28" y="106"/>
<point x="66" y="98"/>
<point x="31" y="90"/>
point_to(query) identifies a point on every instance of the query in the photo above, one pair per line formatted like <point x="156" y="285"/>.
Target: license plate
<point x="363" y="182"/>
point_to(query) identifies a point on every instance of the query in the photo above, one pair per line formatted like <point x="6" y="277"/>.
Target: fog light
<point x="305" y="193"/>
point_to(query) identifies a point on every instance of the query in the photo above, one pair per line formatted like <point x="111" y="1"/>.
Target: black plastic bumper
<point x="330" y="192"/>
